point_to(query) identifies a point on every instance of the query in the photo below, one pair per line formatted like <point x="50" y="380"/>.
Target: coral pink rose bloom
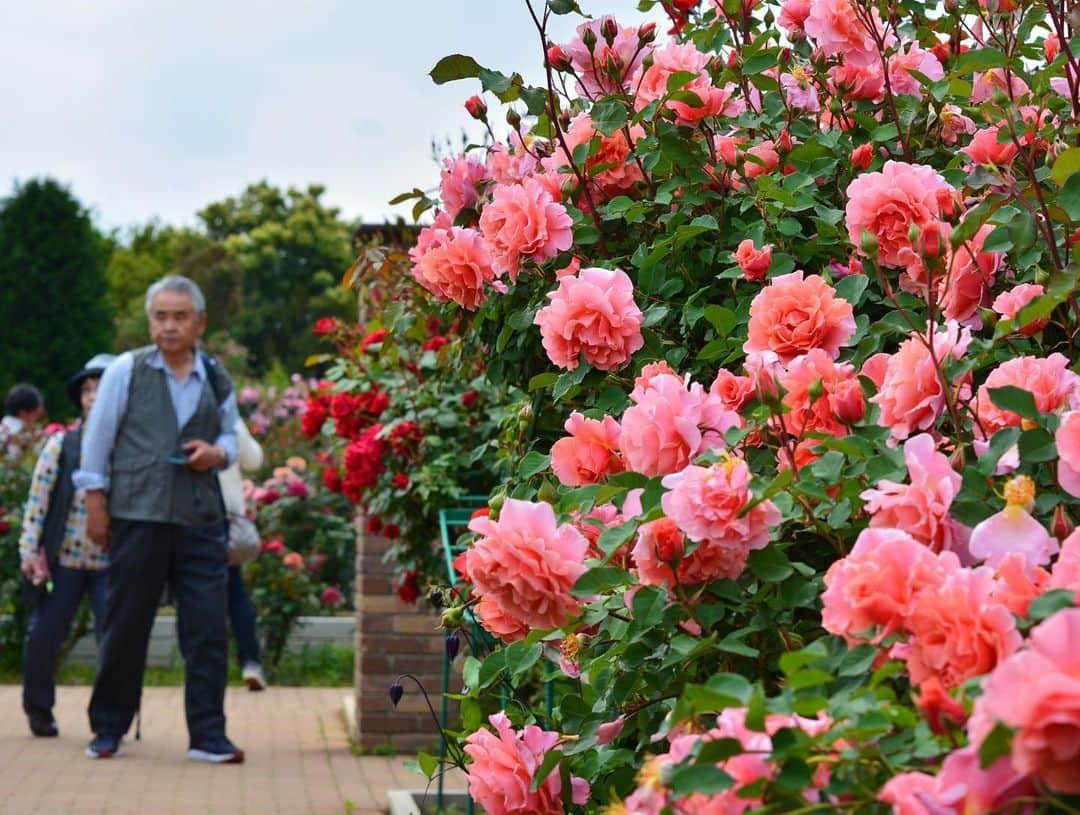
<point x="753" y="262"/>
<point x="734" y="391"/>
<point x="1066" y="571"/>
<point x="911" y="396"/>
<point x="792" y="315"/>
<point x="886" y="204"/>
<point x="838" y="31"/>
<point x="526" y="563"/>
<point x="707" y="504"/>
<point x="592" y="312"/>
<point x="971" y="273"/>
<point x="457" y="269"/>
<point x="839" y="399"/>
<point x="921" y="507"/>
<point x="962" y="786"/>
<point x="589" y="454"/>
<point x="660" y="544"/>
<point x="957" y="630"/>
<point x="1012" y="531"/>
<point x="670" y="424"/>
<point x="1067" y="439"/>
<point x="793" y="14"/>
<point x="605" y="68"/>
<point x="523" y="221"/>
<point x="504" y="764"/>
<point x="905" y="790"/>
<point x="496" y="621"/>
<point x="651" y="83"/>
<point x="1047" y="379"/>
<point x="1037" y="693"/>
<point x="459" y="182"/>
<point x="610" y="168"/>
<point x="872" y="591"/>
<point x="985" y="148"/>
<point x="912" y="58"/>
<point x="1009" y="304"/>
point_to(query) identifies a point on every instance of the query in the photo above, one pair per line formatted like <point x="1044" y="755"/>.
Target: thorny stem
<point x="1071" y="69"/>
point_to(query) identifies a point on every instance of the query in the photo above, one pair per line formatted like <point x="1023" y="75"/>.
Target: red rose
<point x="391" y="532"/>
<point x="324" y="326"/>
<point x="407" y="587"/>
<point x="400" y="481"/>
<point x="274" y="546"/>
<point x="468" y="399"/>
<point x="373" y="338"/>
<point x="332" y="480"/>
<point x="435" y="343"/>
<point x="374" y="525"/>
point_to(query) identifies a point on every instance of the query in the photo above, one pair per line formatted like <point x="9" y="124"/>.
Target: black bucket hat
<point x="94" y="368"/>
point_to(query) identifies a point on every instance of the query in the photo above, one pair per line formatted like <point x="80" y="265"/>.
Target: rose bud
<point x="476" y="107"/>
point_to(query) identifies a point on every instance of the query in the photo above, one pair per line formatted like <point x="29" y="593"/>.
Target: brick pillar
<point x="392" y="638"/>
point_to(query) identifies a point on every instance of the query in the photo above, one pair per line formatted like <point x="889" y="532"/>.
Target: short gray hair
<point x="180" y="285"/>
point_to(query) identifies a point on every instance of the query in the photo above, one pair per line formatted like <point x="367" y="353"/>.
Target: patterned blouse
<point x="77" y="550"/>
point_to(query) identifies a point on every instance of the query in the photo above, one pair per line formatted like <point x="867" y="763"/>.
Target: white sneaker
<point x="253" y="676"/>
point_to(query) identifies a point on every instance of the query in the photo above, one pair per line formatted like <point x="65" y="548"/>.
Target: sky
<point x="156" y="108"/>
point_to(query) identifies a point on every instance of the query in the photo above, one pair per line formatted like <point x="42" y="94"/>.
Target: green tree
<point x="54" y="313"/>
<point x="291" y="250"/>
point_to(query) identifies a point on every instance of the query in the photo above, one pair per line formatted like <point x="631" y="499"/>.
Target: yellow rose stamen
<point x="1020" y="491"/>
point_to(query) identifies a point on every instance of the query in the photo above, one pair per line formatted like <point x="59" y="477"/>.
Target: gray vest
<point x="146" y="486"/>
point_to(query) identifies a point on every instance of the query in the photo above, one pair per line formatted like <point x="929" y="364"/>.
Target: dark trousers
<point x="50" y="624"/>
<point x="144" y="557"/>
<point x="242" y="618"/>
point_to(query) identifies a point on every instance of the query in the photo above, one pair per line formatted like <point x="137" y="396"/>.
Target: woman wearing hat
<point x="59" y="560"/>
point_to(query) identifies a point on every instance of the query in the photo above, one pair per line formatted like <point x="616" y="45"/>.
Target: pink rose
<point x="954" y="124"/>
<point x="887" y="203"/>
<point x="838" y="396"/>
<point x="970" y="274"/>
<point x="753" y="262"/>
<point x="1037" y="693"/>
<point x="589" y="454"/>
<point x="857" y="82"/>
<point x="526" y="563"/>
<point x="592" y="312"/>
<point x="838" y="31"/>
<point x="611" y="169"/>
<point x="985" y="148"/>
<point x="911" y="396"/>
<point x="861" y="156"/>
<point x="1066" y="571"/>
<point x="651" y="83"/>
<point x="457" y="268"/>
<point x="459" y="182"/>
<point x="873" y="590"/>
<point x="957" y="630"/>
<point x="962" y="786"/>
<point x="792" y="315"/>
<point x="765" y="159"/>
<point x="1009" y="304"/>
<point x="912" y="58"/>
<point x="734" y="391"/>
<point x="1016" y="584"/>
<point x="496" y="620"/>
<point x="1047" y="379"/>
<point x="523" y="221"/>
<point x="800" y="90"/>
<point x="607" y="67"/>
<point x="707" y="503"/>
<point x="1067" y="439"/>
<point x="670" y="424"/>
<point x="1013" y="530"/>
<point x="504" y="764"/>
<point x="793" y="14"/>
<point x="905" y="790"/>
<point x="510" y="164"/>
<point x="921" y="507"/>
<point x="986" y="82"/>
<point x="659" y="548"/>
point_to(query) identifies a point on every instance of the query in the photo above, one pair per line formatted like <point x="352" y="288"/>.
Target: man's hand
<point x="97" y="518"/>
<point x="202" y="456"/>
<point x="36" y="568"/>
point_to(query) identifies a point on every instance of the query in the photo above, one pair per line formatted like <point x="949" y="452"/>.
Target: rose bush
<point x="789" y="527"/>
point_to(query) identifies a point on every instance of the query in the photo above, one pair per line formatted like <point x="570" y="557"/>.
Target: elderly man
<point x="162" y="427"/>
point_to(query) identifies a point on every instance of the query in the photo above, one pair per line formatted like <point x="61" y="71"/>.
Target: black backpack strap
<point x="216" y="378"/>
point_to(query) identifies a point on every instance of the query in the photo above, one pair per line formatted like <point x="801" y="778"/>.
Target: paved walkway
<point x="298" y="761"/>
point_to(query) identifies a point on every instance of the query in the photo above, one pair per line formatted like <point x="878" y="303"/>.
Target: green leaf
<point x="568" y="380"/>
<point x="679" y="79"/>
<point x="770" y="564"/>
<point x="550" y="762"/>
<point x="648" y="605"/>
<point x="1067" y="163"/>
<point x="998" y="743"/>
<point x="429" y="765"/>
<point x="608" y="115"/>
<point x="453" y="67"/>
<point x="704" y="778"/>
<point x="1049" y="604"/>
<point x="543" y="381"/>
<point x="1069" y="197"/>
<point x="598" y="580"/>
<point x="759" y="62"/>
<point x="562" y="7"/>
<point x="733" y="685"/>
<point x="722" y="319"/>
<point x="979" y="59"/>
<point x="1037" y="446"/>
<point x="533" y="463"/>
<point x="851" y="288"/>
<point x="521" y="656"/>
<point x="1017" y="400"/>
